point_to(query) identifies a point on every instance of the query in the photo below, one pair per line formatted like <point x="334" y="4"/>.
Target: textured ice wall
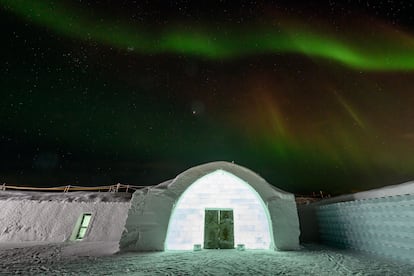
<point x="219" y="190"/>
<point x="149" y="215"/>
<point x="382" y="226"/>
<point x="54" y="221"/>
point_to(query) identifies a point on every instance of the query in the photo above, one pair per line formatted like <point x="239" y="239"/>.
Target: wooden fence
<point x="69" y="188"/>
<point x="129" y="188"/>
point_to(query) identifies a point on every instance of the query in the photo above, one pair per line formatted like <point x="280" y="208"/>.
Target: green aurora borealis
<point x="231" y="43"/>
<point x="91" y="99"/>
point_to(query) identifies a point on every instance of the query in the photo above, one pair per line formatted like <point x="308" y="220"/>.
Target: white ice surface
<point x="219" y="190"/>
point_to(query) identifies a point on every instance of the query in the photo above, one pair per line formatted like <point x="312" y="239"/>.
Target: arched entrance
<point x="224" y="199"/>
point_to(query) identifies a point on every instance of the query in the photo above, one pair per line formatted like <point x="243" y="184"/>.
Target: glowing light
<point x="395" y="54"/>
<point x="350" y="110"/>
<point x="219" y="189"/>
<point x="81" y="227"/>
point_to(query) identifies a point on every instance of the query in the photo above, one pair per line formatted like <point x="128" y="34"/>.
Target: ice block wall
<point x="219" y="190"/>
<point x="382" y="226"/>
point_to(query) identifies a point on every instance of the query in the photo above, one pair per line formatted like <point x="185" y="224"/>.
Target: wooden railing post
<point x="112" y="188"/>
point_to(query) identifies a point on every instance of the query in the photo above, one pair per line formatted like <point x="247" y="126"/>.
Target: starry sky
<point x="311" y="95"/>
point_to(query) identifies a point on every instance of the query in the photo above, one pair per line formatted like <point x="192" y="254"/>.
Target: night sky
<point x="310" y="95"/>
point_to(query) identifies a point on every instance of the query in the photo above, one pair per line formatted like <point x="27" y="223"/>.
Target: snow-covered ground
<point x="84" y="258"/>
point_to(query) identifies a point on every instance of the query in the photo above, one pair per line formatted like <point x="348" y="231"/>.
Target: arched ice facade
<point x="171" y="215"/>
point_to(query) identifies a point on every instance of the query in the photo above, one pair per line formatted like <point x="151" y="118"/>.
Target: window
<point x="86" y="218"/>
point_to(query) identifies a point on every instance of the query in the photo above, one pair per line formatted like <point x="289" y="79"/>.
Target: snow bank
<point x="52" y="217"/>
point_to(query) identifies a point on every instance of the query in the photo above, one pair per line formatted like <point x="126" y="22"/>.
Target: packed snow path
<point x="312" y="260"/>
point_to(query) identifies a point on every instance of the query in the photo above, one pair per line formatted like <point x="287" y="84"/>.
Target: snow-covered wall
<point x="379" y="221"/>
<point x="53" y="218"/>
<point x="383" y="226"/>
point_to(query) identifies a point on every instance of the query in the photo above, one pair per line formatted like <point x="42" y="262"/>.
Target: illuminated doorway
<point x="224" y="191"/>
<point x="218" y="229"/>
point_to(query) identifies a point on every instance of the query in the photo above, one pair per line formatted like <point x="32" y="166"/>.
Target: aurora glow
<point x="101" y="92"/>
<point x="228" y="43"/>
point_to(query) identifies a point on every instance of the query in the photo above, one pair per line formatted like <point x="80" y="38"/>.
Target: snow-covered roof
<point x="392" y="190"/>
<point x="186" y="178"/>
<point x="176" y="185"/>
